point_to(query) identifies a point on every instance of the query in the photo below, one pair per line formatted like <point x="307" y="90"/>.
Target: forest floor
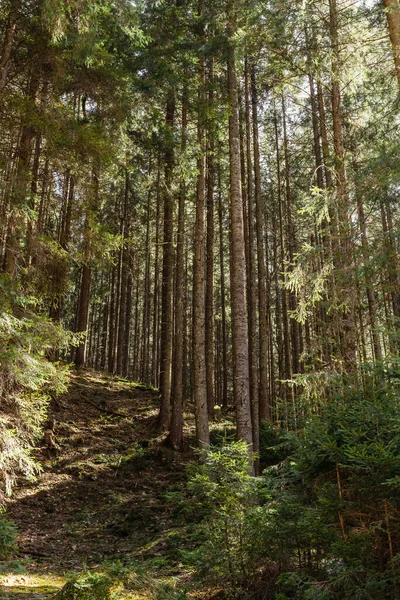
<point x="108" y="493"/>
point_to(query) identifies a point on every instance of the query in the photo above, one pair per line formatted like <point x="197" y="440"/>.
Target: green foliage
<point x="325" y="513"/>
<point x="8" y="535"/>
<point x="331" y="519"/>
<point x="114" y="581"/>
<point x="275" y="444"/>
<point x="13" y="566"/>
<point x="227" y="494"/>
<point x="27" y="378"/>
<point x="90" y="586"/>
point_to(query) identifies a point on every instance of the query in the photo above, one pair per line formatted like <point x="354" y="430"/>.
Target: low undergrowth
<point x="321" y="523"/>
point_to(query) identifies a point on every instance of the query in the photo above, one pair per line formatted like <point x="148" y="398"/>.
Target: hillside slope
<point x="101" y="495"/>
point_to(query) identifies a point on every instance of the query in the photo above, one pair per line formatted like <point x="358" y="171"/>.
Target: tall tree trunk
<point x="263" y="294"/>
<point x="344" y="260"/>
<point x="251" y="279"/>
<point x="167" y="272"/>
<point x="146" y="299"/>
<point x="199" y="273"/>
<point x="83" y="309"/>
<point x="287" y="369"/>
<point x="175" y="437"/>
<point x="156" y="286"/>
<point x="368" y="279"/>
<point x="240" y="349"/>
<point x="126" y="356"/>
<point x="122" y="313"/>
<point x="86" y="270"/>
<point x="111" y="321"/>
<point x="209" y="311"/>
<point x="224" y="341"/>
<point x="295" y="329"/>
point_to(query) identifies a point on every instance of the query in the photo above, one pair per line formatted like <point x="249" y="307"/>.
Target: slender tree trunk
<point x="86" y="270"/>
<point x="240" y="349"/>
<point x="122" y="314"/>
<point x="344" y="260"/>
<point x="146" y="300"/>
<point x="392" y="9"/>
<point x="209" y="312"/>
<point x="83" y="310"/>
<point x="111" y="322"/>
<point x="295" y="328"/>
<point x="368" y="280"/>
<point x="156" y="286"/>
<point x="167" y="273"/>
<point x="224" y="374"/>
<point x="287" y="366"/>
<point x="175" y="437"/>
<point x="199" y="274"/>
<point x="263" y="293"/>
<point x="251" y="279"/>
<point x="126" y="355"/>
<point x="7" y="45"/>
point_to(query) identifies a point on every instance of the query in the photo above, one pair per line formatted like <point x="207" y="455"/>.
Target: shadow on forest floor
<point x="106" y="495"/>
<point x="102" y="496"/>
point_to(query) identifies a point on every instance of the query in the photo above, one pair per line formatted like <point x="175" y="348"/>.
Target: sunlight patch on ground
<point x="29" y="587"/>
<point x="55" y="480"/>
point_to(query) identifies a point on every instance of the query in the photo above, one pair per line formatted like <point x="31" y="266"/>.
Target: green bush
<point x="332" y="517"/>
<point x="90" y="586"/>
<point x="325" y="514"/>
<point x="275" y="444"/>
<point x="227" y="495"/>
<point x="27" y="379"/>
<point x="8" y="535"/>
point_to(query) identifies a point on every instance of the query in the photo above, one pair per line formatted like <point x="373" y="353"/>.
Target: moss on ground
<point x="29" y="587"/>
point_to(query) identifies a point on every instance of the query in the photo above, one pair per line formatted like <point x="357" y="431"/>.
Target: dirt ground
<point x="101" y="494"/>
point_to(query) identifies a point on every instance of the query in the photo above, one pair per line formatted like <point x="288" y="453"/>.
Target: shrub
<point x="227" y="495"/>
<point x="27" y="379"/>
<point x="332" y="521"/>
<point x="327" y="515"/>
<point x="90" y="585"/>
<point x="8" y="535"/>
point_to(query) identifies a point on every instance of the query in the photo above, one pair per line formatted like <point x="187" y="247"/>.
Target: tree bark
<point x="240" y="349"/>
<point x="263" y="292"/>
<point x="167" y="272"/>
<point x="209" y="312"/>
<point x="199" y="274"/>
<point x="252" y="297"/>
<point x="392" y="9"/>
<point x="344" y="260"/>
<point x="175" y="437"/>
<point x="7" y="45"/>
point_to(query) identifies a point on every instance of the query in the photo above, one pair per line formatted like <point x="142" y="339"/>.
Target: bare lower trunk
<point x="175" y="437"/>
<point x="167" y="276"/>
<point x="241" y="387"/>
<point x="210" y="263"/>
<point x="263" y="295"/>
<point x="199" y="279"/>
<point x="251" y="278"/>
